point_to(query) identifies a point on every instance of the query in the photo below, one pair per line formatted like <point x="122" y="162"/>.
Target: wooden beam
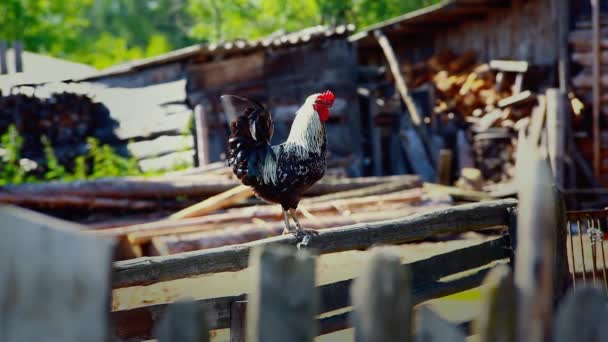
<point x="3" y="63"/>
<point x="185" y="186"/>
<point x="427" y="283"/>
<point x="556" y="133"/>
<point x="144" y="271"/>
<point x="509" y="66"/>
<point x="201" y="127"/>
<point x="393" y="63"/>
<point x="444" y="169"/>
<point x="211" y="204"/>
<point x="597" y="85"/>
<point x="17" y="49"/>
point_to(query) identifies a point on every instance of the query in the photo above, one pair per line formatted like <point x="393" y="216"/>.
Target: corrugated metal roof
<point x="446" y="12"/>
<point x="276" y="40"/>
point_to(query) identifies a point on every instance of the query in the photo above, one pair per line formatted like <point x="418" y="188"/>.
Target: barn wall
<point x="149" y="76"/>
<point x="287" y="77"/>
<point x="525" y="31"/>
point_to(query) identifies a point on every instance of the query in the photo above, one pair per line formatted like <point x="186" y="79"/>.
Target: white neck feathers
<point x="307" y="129"/>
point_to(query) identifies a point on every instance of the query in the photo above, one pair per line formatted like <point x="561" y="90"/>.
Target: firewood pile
<point x="66" y="119"/>
<point x="489" y="101"/>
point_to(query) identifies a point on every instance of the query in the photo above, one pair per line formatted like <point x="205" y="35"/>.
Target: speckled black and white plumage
<point x="281" y="173"/>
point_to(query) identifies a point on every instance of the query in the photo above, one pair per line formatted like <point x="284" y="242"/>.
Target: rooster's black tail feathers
<point x="248" y="145"/>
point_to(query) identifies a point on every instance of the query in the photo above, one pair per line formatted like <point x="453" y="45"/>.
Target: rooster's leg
<point x="287" y="228"/>
<point x="301" y="231"/>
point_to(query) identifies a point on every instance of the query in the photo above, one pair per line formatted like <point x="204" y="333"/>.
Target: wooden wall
<point x="286" y="77"/>
<point x="524" y="31"/>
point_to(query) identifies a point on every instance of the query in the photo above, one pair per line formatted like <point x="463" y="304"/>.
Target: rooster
<point x="281" y="173"/>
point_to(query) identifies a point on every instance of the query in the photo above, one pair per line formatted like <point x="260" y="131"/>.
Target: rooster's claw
<point x="304" y="235"/>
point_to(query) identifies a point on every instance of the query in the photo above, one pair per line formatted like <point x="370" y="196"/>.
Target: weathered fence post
<point x="496" y="319"/>
<point x="18" y="50"/>
<point x="3" y="65"/>
<point x="444" y="168"/>
<point x="238" y="328"/>
<point x="55" y="281"/>
<point x="432" y="328"/>
<point x="201" y="126"/>
<point x="582" y="316"/>
<point x="284" y="302"/>
<point x="184" y="321"/>
<point x="535" y="254"/>
<point x="382" y="300"/>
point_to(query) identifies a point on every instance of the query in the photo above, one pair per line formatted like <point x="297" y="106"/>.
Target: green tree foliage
<point x="107" y="32"/>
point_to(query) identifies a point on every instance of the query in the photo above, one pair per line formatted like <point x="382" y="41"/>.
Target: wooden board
<point x="61" y="292"/>
<point x="462" y="218"/>
<point x="230" y="71"/>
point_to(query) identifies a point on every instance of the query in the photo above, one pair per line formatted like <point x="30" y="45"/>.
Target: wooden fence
<point x="521" y="290"/>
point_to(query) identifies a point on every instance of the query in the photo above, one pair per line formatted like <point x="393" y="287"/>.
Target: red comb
<point x="327" y="96"/>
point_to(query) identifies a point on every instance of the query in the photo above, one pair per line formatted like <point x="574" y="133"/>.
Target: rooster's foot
<point x="304" y="235"/>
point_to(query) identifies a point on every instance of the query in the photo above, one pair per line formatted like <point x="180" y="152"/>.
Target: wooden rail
<point x="426" y="284"/>
<point x="475" y="216"/>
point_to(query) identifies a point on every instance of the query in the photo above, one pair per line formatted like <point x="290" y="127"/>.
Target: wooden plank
<point x="211" y="204"/>
<point x="537" y="120"/>
<point x="382" y="300"/>
<point x="433" y="328"/>
<point x="509" y="65"/>
<point x="183" y="321"/>
<point x="581" y="316"/>
<point x="61" y="293"/>
<point x="3" y="62"/>
<point x="376" y="136"/>
<point x="461" y="218"/>
<point x="556" y="132"/>
<point x="518" y="99"/>
<point x="160" y="146"/>
<point x="468" y="195"/>
<point x="139" y="323"/>
<point x="596" y="85"/>
<point x="161" y="187"/>
<point x="230" y="71"/>
<point x="238" y="328"/>
<point x="201" y="126"/>
<point x="18" y="50"/>
<point x="444" y="168"/>
<point x="496" y="319"/>
<point x="465" y="153"/>
<point x="379" y="189"/>
<point x="427" y="284"/>
<point x="283" y="304"/>
<point x="140" y="233"/>
<point x="414" y="148"/>
<point x="536" y="241"/>
<point x="415" y="117"/>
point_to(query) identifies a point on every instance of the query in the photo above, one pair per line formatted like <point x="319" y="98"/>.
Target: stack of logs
<point x="66" y="119"/>
<point x="489" y="100"/>
<point x="144" y="198"/>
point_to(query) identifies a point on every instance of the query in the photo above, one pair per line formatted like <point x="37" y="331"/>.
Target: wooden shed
<point x="280" y="70"/>
<point x="423" y="59"/>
